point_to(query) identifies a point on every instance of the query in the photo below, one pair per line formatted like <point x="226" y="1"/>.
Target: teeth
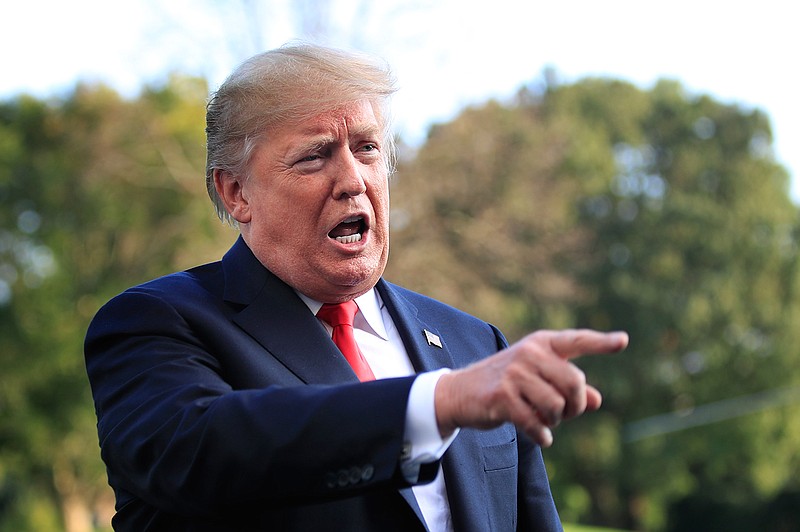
<point x="349" y="239"/>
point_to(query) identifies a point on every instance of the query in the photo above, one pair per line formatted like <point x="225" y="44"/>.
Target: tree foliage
<point x="654" y="211"/>
<point x="98" y="193"/>
<point x="593" y="204"/>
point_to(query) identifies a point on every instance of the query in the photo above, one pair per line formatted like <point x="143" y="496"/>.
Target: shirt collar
<point x="370" y="315"/>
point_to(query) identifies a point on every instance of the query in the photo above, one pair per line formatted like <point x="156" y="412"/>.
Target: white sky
<point x="446" y="53"/>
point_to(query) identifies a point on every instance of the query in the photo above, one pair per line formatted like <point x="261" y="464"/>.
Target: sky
<point x="446" y="54"/>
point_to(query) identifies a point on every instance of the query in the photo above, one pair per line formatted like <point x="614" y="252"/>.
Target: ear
<point x="230" y="189"/>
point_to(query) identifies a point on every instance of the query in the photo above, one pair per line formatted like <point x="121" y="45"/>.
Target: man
<point x="223" y="401"/>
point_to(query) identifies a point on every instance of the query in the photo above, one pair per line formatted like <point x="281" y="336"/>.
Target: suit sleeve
<point x="174" y="433"/>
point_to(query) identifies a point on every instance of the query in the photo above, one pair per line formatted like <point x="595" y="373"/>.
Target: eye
<point x="369" y="149"/>
<point x="311" y="161"/>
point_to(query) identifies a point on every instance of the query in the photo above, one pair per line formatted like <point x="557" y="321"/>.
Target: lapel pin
<point x="432" y="339"/>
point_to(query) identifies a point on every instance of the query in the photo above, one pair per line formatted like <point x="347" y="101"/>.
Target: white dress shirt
<point x="382" y="347"/>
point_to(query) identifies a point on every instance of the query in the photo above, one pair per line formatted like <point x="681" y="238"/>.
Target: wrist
<point x="443" y="399"/>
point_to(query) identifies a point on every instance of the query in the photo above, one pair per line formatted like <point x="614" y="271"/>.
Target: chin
<point x="360" y="279"/>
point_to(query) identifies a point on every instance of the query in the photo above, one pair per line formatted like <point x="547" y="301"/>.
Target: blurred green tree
<point x="593" y="204"/>
<point x="697" y="254"/>
<point x="657" y="212"/>
<point x="97" y="193"/>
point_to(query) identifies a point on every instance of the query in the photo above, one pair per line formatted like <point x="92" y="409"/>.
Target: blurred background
<point x="617" y="165"/>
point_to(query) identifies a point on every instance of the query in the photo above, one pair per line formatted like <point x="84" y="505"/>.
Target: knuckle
<point x="539" y="338"/>
<point x="558" y="404"/>
<point x="570" y="340"/>
<point x="577" y="381"/>
<point x="553" y="409"/>
<point x="530" y="426"/>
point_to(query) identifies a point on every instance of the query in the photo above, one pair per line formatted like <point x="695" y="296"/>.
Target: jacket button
<point x="367" y="472"/>
<point x="330" y="480"/>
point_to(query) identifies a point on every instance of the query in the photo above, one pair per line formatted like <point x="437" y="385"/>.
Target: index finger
<point x="572" y="343"/>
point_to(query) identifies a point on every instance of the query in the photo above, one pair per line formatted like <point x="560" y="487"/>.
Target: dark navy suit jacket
<point x="223" y="404"/>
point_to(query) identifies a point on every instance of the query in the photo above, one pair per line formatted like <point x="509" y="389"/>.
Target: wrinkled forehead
<point x="315" y="109"/>
<point x="359" y="117"/>
<point x="352" y="121"/>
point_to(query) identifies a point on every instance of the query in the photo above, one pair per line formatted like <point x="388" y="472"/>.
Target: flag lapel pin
<point x="432" y="339"/>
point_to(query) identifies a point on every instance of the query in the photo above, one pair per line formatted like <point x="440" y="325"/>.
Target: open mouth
<point x="349" y="230"/>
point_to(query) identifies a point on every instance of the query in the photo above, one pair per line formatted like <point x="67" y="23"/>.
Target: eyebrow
<point x="316" y="141"/>
<point x="366" y="130"/>
<point x="311" y="144"/>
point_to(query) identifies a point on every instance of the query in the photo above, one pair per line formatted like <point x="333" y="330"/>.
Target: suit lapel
<point x="425" y="352"/>
<point x="464" y="478"/>
<point x="273" y="314"/>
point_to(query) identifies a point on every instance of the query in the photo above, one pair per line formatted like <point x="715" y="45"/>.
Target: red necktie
<point x="340" y="317"/>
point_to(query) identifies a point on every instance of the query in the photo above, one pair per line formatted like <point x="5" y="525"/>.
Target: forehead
<point x="351" y="119"/>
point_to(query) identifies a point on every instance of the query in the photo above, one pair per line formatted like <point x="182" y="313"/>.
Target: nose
<point x="348" y="181"/>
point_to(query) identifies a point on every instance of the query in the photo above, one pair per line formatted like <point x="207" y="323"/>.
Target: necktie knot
<point x="338" y="314"/>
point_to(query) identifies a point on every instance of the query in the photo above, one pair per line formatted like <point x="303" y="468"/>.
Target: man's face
<point x="315" y="209"/>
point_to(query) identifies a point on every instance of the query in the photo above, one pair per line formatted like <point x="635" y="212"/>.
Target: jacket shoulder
<point x="430" y="306"/>
<point x="180" y="286"/>
<point x="444" y="315"/>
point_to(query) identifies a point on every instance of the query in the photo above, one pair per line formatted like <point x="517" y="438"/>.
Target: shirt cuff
<point x="423" y="443"/>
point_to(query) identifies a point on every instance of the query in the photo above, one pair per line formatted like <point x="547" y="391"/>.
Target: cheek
<point x="380" y="198"/>
<point x="274" y="222"/>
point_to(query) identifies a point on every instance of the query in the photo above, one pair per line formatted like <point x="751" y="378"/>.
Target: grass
<point x="584" y="528"/>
